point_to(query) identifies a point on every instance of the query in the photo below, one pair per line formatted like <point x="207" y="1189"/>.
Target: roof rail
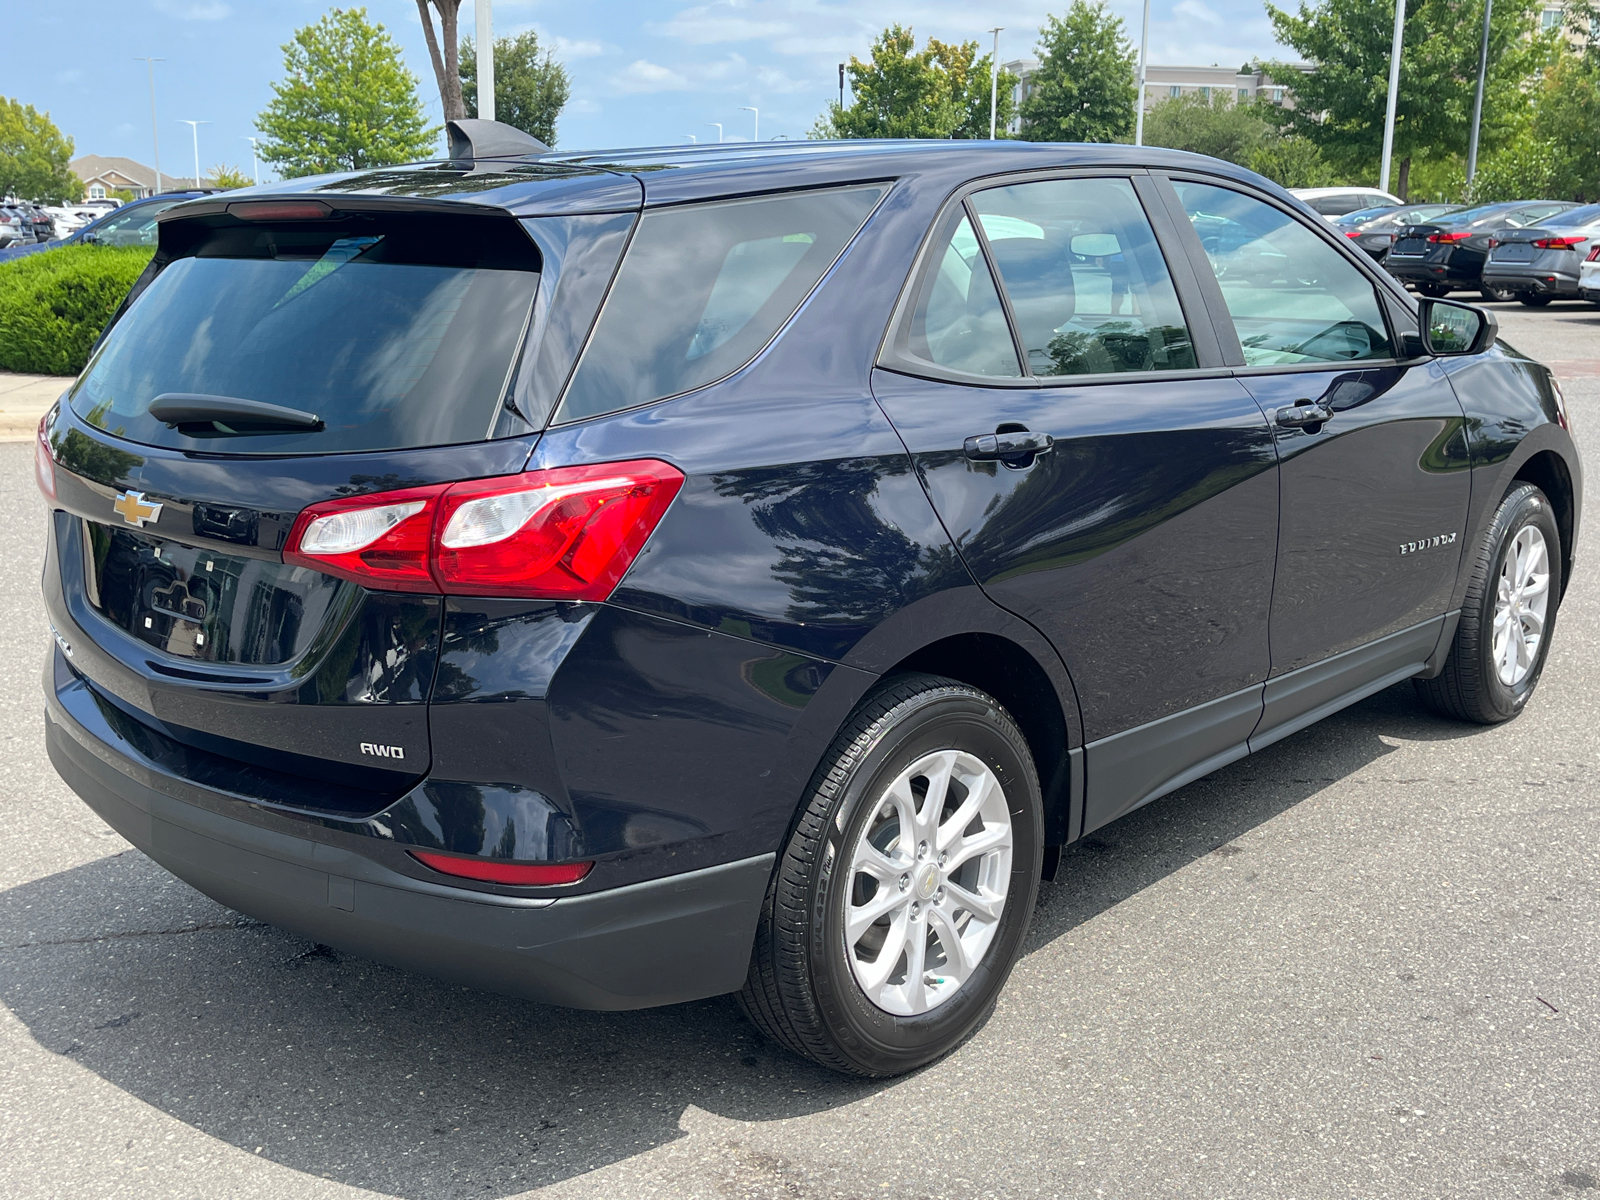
<point x="474" y="139"/>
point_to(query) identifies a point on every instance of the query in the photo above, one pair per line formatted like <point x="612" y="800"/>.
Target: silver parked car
<point x="1544" y="262"/>
<point x="16" y="227"/>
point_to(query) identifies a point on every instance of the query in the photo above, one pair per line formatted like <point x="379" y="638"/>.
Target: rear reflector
<point x="568" y="533"/>
<point x="44" y="463"/>
<point x="279" y="210"/>
<point x="488" y="870"/>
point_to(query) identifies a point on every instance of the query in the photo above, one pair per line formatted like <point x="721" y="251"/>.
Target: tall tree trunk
<point x="1404" y="187"/>
<point x="447" y="70"/>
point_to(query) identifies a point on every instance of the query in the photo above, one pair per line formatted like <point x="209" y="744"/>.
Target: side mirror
<point x="1454" y="329"/>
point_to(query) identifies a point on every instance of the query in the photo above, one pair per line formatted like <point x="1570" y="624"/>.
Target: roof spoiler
<point x="472" y="139"/>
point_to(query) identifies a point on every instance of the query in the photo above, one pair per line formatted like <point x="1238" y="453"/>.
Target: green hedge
<point x="55" y="303"/>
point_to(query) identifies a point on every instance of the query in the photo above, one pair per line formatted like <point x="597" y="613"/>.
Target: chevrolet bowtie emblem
<point x="135" y="509"/>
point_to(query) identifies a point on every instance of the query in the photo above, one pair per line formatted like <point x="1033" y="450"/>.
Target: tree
<point x="34" y="156"/>
<point x="1216" y="126"/>
<point x="446" y="69"/>
<point x="1340" y="106"/>
<point x="941" y="91"/>
<point x="227" y="178"/>
<point x="347" y="102"/>
<point x="1293" y="162"/>
<point x="1566" y="118"/>
<point x="1085" y="88"/>
<point x="529" y="91"/>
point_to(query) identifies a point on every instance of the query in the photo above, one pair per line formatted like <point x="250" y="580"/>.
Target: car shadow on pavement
<point x="340" y="1068"/>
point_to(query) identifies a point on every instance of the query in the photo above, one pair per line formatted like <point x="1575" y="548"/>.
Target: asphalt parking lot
<point x="1364" y="963"/>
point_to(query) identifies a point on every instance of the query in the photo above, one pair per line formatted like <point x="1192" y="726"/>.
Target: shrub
<point x="54" y="304"/>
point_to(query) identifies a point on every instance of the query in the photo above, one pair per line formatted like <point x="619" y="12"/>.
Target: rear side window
<point x="396" y="332"/>
<point x="957" y="321"/>
<point x="703" y="288"/>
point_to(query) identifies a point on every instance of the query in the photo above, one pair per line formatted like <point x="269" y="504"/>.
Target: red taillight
<point x="1558" y="243"/>
<point x="1594" y="255"/>
<point x="567" y="533"/>
<point x="44" y="463"/>
<point x="1352" y="233"/>
<point x="1444" y="239"/>
<point x="380" y="540"/>
<point x="488" y="870"/>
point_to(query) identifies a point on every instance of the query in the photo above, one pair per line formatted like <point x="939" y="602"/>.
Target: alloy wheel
<point x="929" y="874"/>
<point x="1522" y="602"/>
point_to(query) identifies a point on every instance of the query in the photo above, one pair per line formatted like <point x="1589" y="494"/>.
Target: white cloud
<point x="1197" y="11"/>
<point x="645" y="76"/>
<point x="573" y="47"/>
<point x="194" y="10"/>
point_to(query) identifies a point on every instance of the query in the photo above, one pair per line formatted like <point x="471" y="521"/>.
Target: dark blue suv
<point x="623" y="578"/>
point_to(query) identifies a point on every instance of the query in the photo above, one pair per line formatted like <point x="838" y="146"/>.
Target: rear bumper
<point x="668" y="940"/>
<point x="1421" y="270"/>
<point x="1540" y="281"/>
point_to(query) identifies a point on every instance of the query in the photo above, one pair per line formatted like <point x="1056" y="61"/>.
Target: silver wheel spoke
<point x="1522" y="605"/>
<point x="927" y="880"/>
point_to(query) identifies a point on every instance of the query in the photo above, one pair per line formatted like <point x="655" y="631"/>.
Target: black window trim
<point x="1195" y="305"/>
<point x="1386" y="287"/>
<point x="888" y="185"/>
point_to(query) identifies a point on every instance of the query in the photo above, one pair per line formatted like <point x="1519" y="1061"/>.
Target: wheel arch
<point x="1548" y="471"/>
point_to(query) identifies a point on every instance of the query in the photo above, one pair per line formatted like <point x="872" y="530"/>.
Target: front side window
<point x="1292" y="297"/>
<point x="1088" y="287"/>
<point x="703" y="288"/>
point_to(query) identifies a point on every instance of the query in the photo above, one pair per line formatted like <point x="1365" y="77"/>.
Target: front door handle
<point x="1304" y="414"/>
<point x="989" y="446"/>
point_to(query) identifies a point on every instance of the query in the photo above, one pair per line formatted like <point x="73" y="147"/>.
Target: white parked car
<point x="71" y="219"/>
<point x="1589" y="277"/>
<point x="1337" y="201"/>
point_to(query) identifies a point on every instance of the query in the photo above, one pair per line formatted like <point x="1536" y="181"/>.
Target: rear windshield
<point x="1586" y="215"/>
<point x="703" y="289"/>
<point x="396" y="333"/>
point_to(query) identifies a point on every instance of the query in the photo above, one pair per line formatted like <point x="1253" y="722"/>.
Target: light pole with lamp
<point x="1394" y="92"/>
<point x="485" y="14"/>
<point x="757" y="111"/>
<point x="994" y="80"/>
<point x="717" y="126"/>
<point x="155" y="136"/>
<point x="194" y="126"/>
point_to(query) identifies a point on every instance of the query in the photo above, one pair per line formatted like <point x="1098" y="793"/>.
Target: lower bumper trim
<point x="684" y="937"/>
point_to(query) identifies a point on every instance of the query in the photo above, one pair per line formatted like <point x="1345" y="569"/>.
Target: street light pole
<point x="1394" y="92"/>
<point x="255" y="162"/>
<point x="1144" y="72"/>
<point x="155" y="136"/>
<point x="1477" y="102"/>
<point x="994" y="80"/>
<point x="194" y="127"/>
<point x="485" y="13"/>
<point x="757" y="111"/>
<point x="717" y="126"/>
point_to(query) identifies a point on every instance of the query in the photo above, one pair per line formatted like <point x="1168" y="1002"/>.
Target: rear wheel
<point x="1534" y="301"/>
<point x="1503" y="637"/>
<point x="900" y="901"/>
<point x="1499" y="295"/>
<point x="1434" y="291"/>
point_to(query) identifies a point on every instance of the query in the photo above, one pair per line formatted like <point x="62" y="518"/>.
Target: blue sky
<point x="644" y="72"/>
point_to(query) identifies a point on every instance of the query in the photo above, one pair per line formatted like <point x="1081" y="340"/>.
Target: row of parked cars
<point x="1533" y="251"/>
<point x="131" y="224"/>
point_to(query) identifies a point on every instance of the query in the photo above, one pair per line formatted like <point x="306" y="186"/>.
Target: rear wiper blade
<point x="199" y="414"/>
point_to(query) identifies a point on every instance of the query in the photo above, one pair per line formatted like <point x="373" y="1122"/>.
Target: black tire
<point x="1470" y="688"/>
<point x="1498" y="295"/>
<point x="801" y="991"/>
<point x="1534" y="301"/>
<point x="1434" y="291"/>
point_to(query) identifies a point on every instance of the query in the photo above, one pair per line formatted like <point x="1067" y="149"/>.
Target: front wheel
<point x="1503" y="637"/>
<point x="899" y="904"/>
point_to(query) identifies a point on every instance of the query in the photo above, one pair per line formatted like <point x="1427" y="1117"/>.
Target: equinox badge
<point x="135" y="509"/>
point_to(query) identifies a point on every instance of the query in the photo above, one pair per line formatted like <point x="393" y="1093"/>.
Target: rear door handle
<point x="989" y="446"/>
<point x="1302" y="415"/>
